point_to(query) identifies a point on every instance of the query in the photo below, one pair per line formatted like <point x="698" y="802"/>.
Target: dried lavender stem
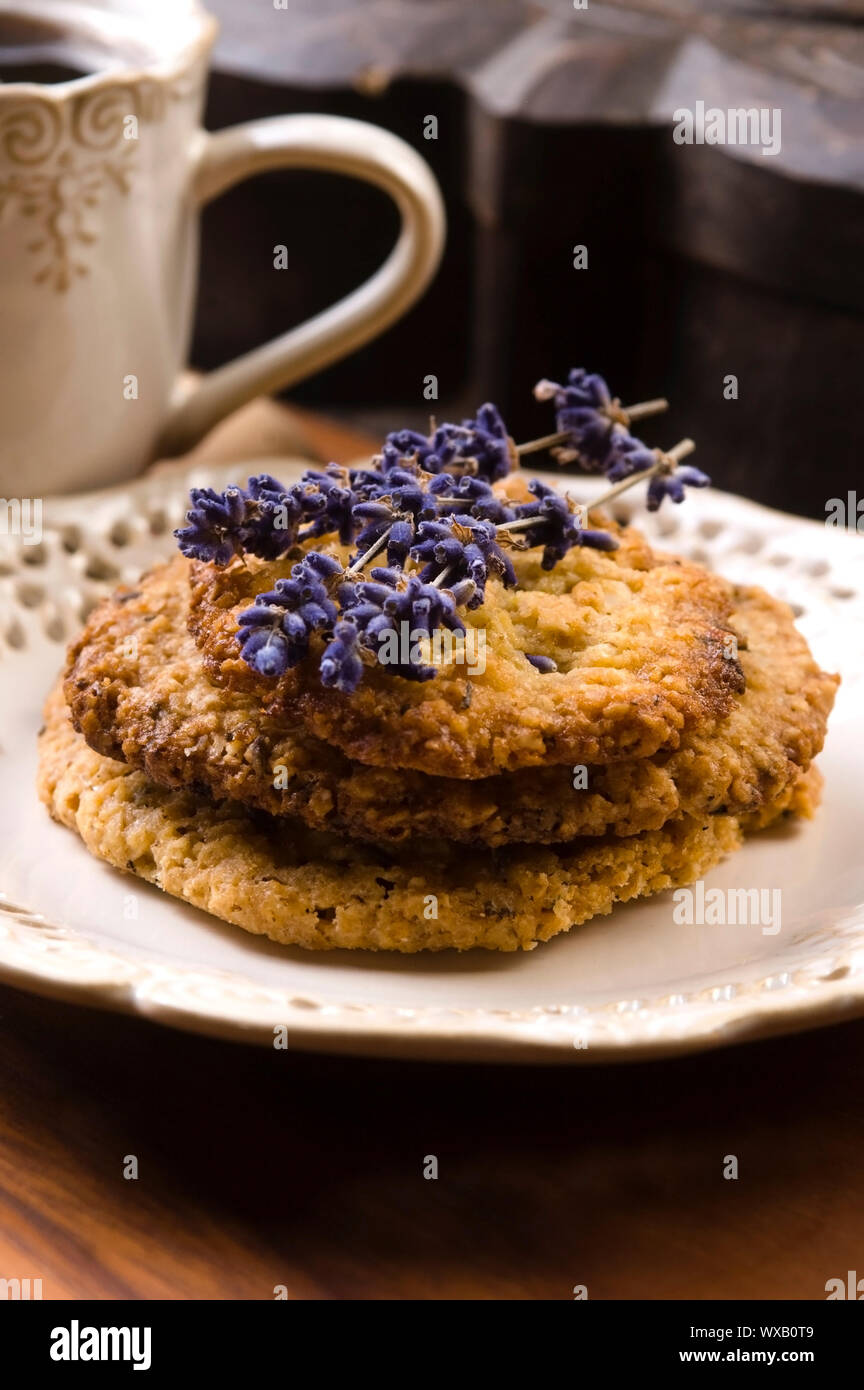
<point x="548" y="441"/>
<point x="680" y="450"/>
<point x="438" y="581"/>
<point x="370" y="554"/>
<point x="638" y="412"/>
<point x="676" y="454"/>
<point x="523" y="522"/>
<point x="632" y="412"/>
<point x="519" y="524"/>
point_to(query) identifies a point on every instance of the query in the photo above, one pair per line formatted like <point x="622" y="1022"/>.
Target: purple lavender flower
<point x="329" y="500"/>
<point x="214" y="525"/>
<point x="390" y="606"/>
<point x="416" y="608"/>
<point x="260" y="519"/>
<point x="361" y="503"/>
<point x="362" y="601"/>
<point x="264" y="488"/>
<point x="376" y="520"/>
<point x="587" y="413"/>
<point x="627" y="455"/>
<point x="424" y="606"/>
<point x="557" y="526"/>
<point x="672" y="485"/>
<point x="366" y="482"/>
<point x="308" y="584"/>
<point x="468" y="496"/>
<point x="464" y="548"/>
<point x="274" y="633"/>
<point x="393" y="510"/>
<point x="593" y="421"/>
<point x="401" y="445"/>
<point x="266" y="646"/>
<point x="273" y="514"/>
<point x="341" y="663"/>
<point x="480" y="445"/>
<point x="408" y="493"/>
<point x="543" y="664"/>
<point x="399" y="542"/>
<point x="487" y="442"/>
<point x="583" y="389"/>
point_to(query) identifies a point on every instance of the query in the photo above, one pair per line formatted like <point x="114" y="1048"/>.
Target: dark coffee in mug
<point x="35" y="50"/>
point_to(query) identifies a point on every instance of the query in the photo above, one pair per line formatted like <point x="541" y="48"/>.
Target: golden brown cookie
<point x="640" y="640"/>
<point x="138" y="692"/>
<point x="322" y="891"/>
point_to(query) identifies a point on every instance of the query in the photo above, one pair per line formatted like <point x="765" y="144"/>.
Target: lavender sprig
<point x="427" y="502"/>
<point x="214" y="522"/>
<point x="274" y="633"/>
<point x="666" y="478"/>
<point x="591" y="423"/>
<point x="555" y="522"/>
<point x="261" y="519"/>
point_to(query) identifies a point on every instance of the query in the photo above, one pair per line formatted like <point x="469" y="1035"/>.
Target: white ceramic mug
<point x="101" y="182"/>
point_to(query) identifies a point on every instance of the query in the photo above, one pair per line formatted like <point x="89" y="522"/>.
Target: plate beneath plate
<point x="629" y="985"/>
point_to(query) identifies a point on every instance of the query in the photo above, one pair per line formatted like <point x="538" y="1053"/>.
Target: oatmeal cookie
<point x="320" y="891"/>
<point x="139" y="694"/>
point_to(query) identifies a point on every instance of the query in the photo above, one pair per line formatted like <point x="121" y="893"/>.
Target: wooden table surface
<point x="260" y="1168"/>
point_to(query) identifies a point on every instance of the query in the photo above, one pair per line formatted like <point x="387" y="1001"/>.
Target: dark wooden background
<point x="703" y="260"/>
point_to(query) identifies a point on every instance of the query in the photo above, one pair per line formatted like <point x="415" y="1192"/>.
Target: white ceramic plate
<point x="633" y="984"/>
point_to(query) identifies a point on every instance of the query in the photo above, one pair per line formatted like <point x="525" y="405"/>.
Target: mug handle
<point x="339" y="146"/>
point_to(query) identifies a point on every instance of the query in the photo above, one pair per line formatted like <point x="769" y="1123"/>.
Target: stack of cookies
<point x="621" y="722"/>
